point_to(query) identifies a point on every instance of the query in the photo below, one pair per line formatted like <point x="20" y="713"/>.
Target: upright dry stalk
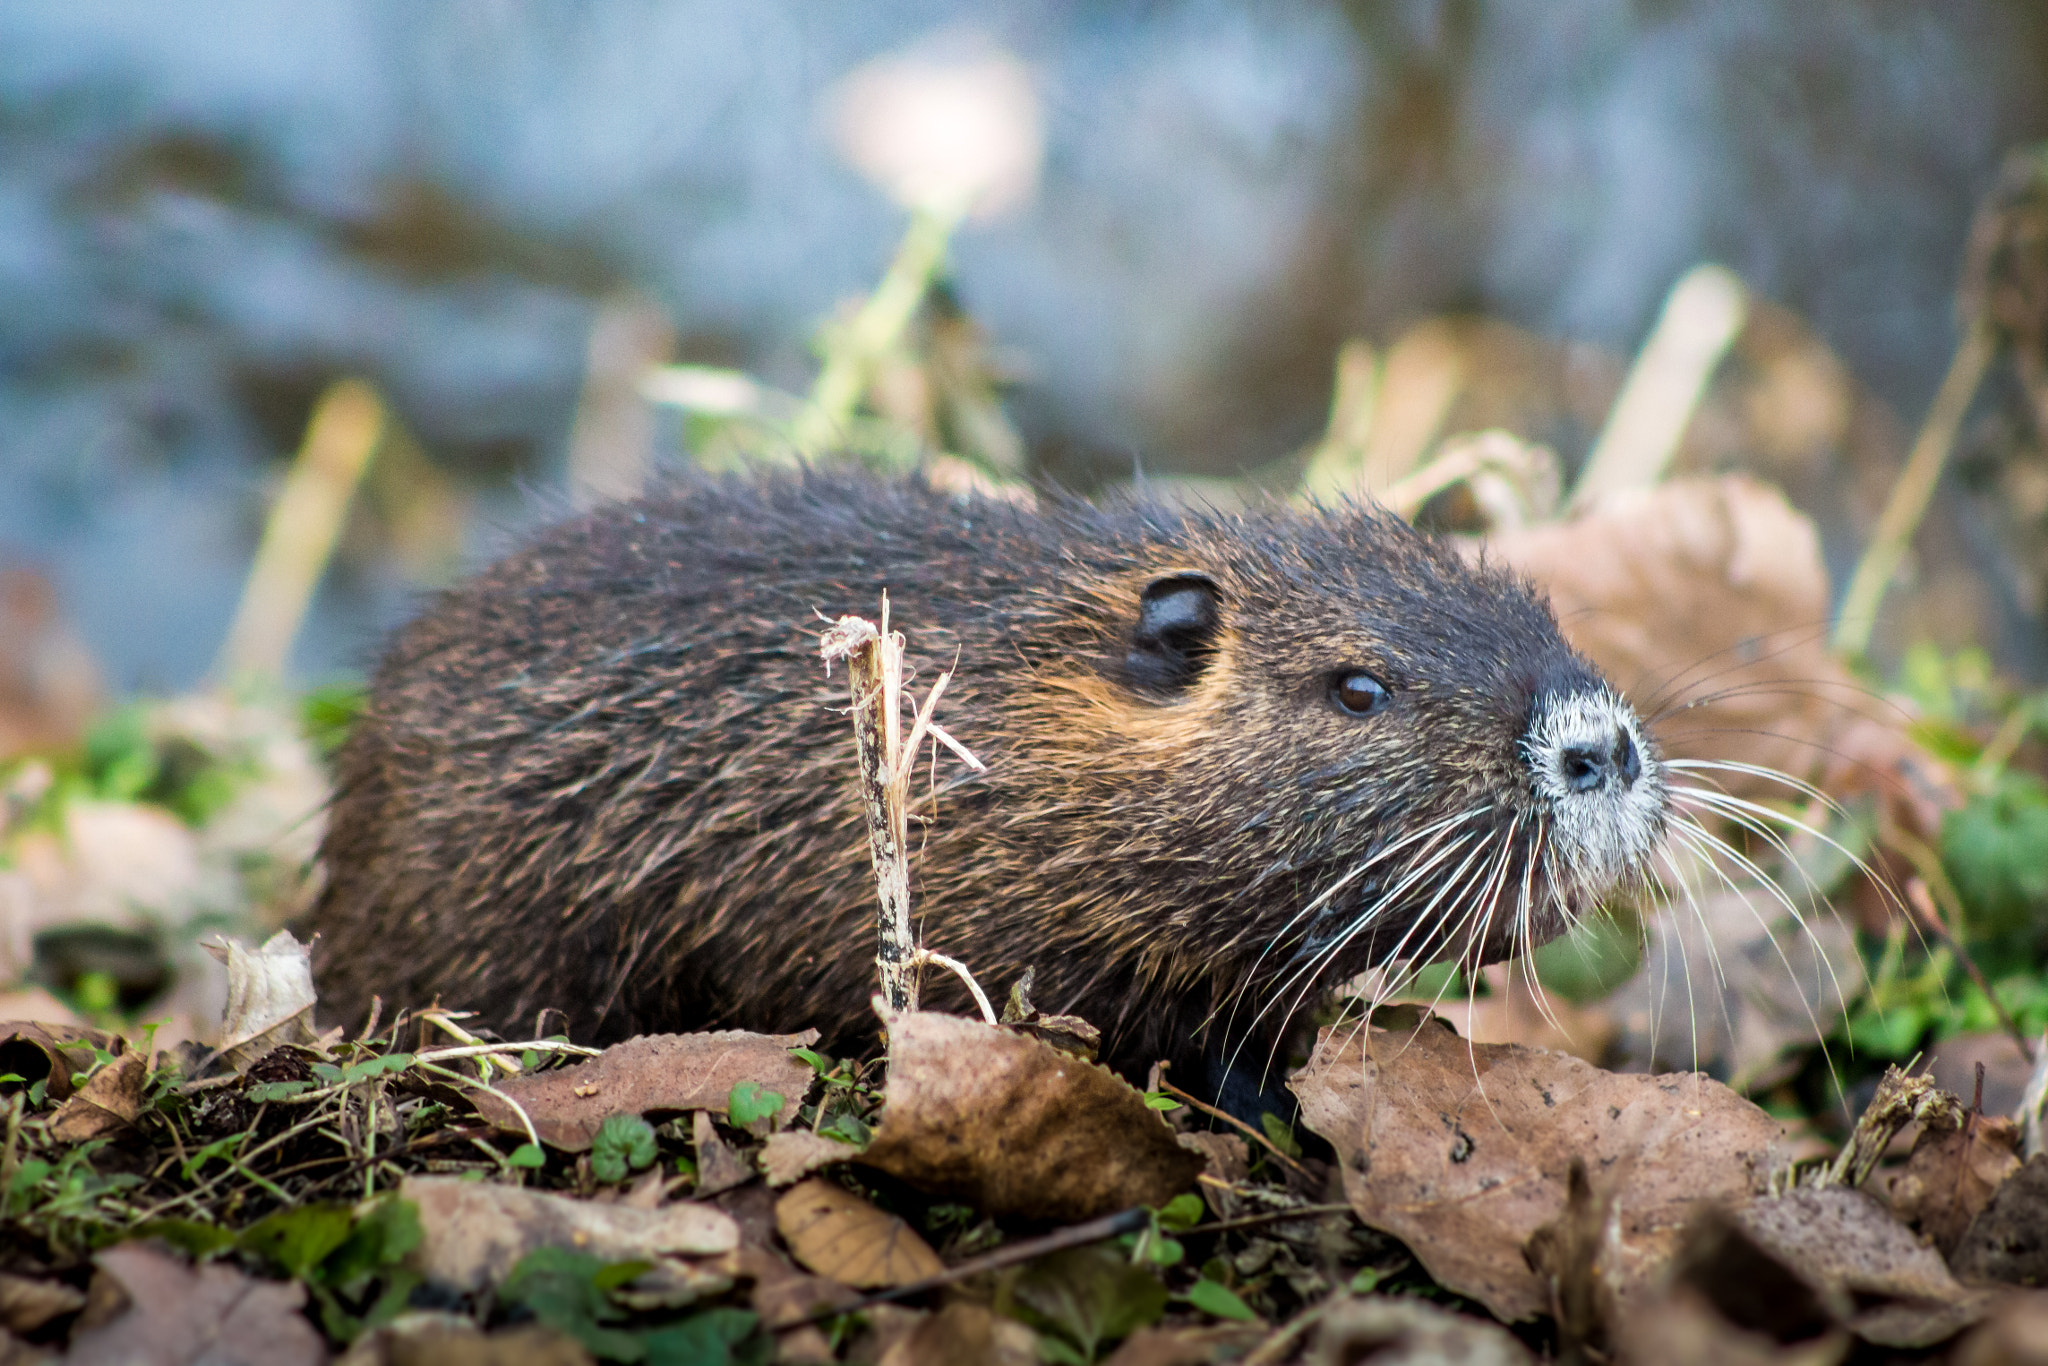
<point x="874" y="666"/>
<point x="346" y="429"/>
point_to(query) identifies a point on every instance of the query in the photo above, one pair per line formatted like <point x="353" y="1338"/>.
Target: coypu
<point x="1230" y="757"/>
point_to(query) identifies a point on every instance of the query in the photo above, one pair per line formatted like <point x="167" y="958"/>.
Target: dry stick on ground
<point x="874" y="667"/>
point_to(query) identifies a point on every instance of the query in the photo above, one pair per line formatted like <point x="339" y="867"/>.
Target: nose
<point x="1587" y="766"/>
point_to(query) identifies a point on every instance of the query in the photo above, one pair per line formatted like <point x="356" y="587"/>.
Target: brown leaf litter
<point x="1014" y="1126"/>
<point x="835" y="1233"/>
<point x="473" y="1233"/>
<point x="651" y="1074"/>
<point x="156" y="1310"/>
<point x="1463" y="1151"/>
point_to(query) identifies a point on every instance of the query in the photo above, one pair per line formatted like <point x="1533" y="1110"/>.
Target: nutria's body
<point x="1229" y="758"/>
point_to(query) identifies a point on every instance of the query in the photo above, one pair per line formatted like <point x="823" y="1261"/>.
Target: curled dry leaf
<point x="1710" y="595"/>
<point x="1408" y="1332"/>
<point x="181" y="1314"/>
<point x="108" y="1102"/>
<point x="1951" y="1175"/>
<point x="719" y="1168"/>
<point x="1463" y="1152"/>
<point x="1014" y="1126"/>
<point x="472" y="1234"/>
<point x="425" y="1337"/>
<point x="53" y="1053"/>
<point x="270" y="997"/>
<point x="842" y="1237"/>
<point x="796" y="1153"/>
<point x="654" y="1072"/>
<point x="2015" y="1334"/>
<point x="1886" y="1285"/>
<point x="2007" y="1243"/>
<point x="963" y="1332"/>
<point x="26" y="1303"/>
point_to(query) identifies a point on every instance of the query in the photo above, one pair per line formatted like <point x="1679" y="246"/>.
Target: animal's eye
<point x="1358" y="694"/>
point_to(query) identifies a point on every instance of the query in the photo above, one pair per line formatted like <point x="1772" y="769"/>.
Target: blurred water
<point x="208" y="210"/>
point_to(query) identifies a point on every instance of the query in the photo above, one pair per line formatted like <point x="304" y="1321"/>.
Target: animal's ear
<point x="1178" y="618"/>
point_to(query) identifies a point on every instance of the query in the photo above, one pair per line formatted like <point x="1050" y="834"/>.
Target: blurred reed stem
<point x="346" y="428"/>
<point x="1913" y="491"/>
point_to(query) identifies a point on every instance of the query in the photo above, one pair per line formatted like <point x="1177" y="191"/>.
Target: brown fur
<point x="609" y="775"/>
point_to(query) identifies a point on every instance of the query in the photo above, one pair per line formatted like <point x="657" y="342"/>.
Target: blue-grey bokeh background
<point x="208" y="210"/>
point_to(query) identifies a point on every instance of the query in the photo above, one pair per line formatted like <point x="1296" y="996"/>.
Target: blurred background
<point x="1727" y="322"/>
<point x="209" y="212"/>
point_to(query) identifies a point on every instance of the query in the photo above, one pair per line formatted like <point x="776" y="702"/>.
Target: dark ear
<point x="1175" y="634"/>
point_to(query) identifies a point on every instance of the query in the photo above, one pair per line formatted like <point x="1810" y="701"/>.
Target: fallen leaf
<point x="796" y="1153"/>
<point x="27" y="1303"/>
<point x="1017" y="1127"/>
<point x="1408" y="1332"/>
<point x="213" y="1313"/>
<point x="1887" y="1286"/>
<point x="842" y="1237"/>
<point x="1950" y="1175"/>
<point x="1681" y="1327"/>
<point x="719" y="1168"/>
<point x="2015" y="1334"/>
<point x="472" y="1233"/>
<point x="1727" y="1299"/>
<point x="108" y="1102"/>
<point x="1710" y="596"/>
<point x="1090" y="1296"/>
<point x="270" y="997"/>
<point x="439" y="1338"/>
<point x="1463" y="1151"/>
<point x="652" y="1073"/>
<point x="2008" y="1242"/>
<point x="964" y="1332"/>
<point x="50" y="1052"/>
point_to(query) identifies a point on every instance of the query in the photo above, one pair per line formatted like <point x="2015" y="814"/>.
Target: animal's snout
<point x="1611" y="761"/>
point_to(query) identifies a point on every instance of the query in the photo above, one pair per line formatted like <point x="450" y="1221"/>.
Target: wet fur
<point x="610" y="775"/>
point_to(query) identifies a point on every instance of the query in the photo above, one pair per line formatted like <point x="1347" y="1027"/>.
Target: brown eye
<point x="1358" y="694"/>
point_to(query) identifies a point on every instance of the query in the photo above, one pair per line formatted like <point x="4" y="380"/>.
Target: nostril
<point x="1582" y="766"/>
<point x="1627" y="762"/>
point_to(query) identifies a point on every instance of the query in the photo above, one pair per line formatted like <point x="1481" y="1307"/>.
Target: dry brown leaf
<point x="270" y="997"/>
<point x="26" y="1303"/>
<point x="719" y="1168"/>
<point x="439" y="1338"/>
<point x="796" y="1153"/>
<point x="963" y="1332"/>
<point x="1681" y="1327"/>
<point x="108" y="1102"/>
<point x="655" y="1072"/>
<point x="1189" y="1346"/>
<point x="1846" y="1244"/>
<point x="181" y="1314"/>
<point x="842" y="1237"/>
<point x="52" y="1052"/>
<point x="2016" y="1334"/>
<point x="1950" y="1176"/>
<point x="1408" y="1332"/>
<point x="1713" y="592"/>
<point x="1014" y="1126"/>
<point x="1463" y="1151"/>
<point x="2007" y="1243"/>
<point x="471" y="1233"/>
